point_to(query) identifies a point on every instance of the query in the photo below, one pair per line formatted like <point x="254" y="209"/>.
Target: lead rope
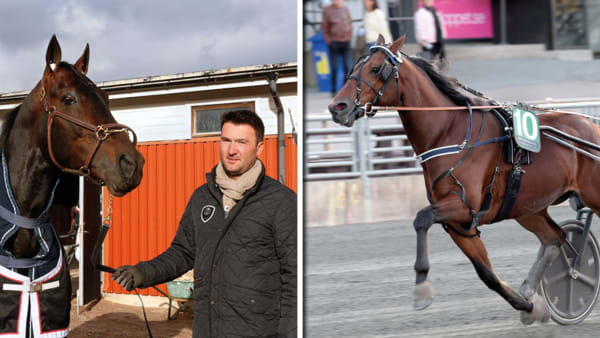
<point x="108" y="220"/>
<point x="106" y="225"/>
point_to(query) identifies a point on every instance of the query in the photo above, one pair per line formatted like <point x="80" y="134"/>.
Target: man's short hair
<point x="245" y="117"/>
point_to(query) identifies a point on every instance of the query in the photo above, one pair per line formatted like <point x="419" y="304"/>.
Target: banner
<point x="466" y="19"/>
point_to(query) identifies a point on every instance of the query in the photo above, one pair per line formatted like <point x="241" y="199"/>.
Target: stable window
<point x="206" y="120"/>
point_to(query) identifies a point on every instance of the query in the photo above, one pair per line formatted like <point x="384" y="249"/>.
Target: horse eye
<point x="69" y="100"/>
<point x="375" y="69"/>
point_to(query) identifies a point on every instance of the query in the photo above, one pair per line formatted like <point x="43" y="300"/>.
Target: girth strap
<point x="23" y="222"/>
<point x="513" y="186"/>
<point x="26" y="263"/>
<point x="31" y="287"/>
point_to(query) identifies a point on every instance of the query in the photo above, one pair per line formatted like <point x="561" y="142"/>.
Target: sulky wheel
<point x="572" y="293"/>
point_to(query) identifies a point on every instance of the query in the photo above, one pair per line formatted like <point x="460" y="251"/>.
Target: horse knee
<point x="424" y="220"/>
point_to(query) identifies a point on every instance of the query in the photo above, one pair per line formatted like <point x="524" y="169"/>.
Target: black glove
<point x="128" y="276"/>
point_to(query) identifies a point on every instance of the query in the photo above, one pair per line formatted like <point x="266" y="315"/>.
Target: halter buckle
<point x="102" y="132"/>
<point x="85" y="172"/>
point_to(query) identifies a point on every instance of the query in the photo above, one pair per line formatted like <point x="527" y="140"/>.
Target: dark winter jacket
<point x="244" y="265"/>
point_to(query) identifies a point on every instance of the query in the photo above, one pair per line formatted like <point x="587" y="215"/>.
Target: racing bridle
<point x="102" y="132"/>
<point x="388" y="70"/>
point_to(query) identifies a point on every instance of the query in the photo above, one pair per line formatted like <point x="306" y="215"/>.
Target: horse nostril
<point x="127" y="165"/>
<point x="340" y="106"/>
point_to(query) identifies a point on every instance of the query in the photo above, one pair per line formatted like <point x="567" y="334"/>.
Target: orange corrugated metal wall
<point x="146" y="219"/>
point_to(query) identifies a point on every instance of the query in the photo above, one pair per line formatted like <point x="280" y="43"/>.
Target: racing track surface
<point x="359" y="281"/>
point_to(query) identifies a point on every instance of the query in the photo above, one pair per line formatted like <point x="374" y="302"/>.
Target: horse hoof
<point x="540" y="311"/>
<point x="423" y="295"/>
<point x="526" y="318"/>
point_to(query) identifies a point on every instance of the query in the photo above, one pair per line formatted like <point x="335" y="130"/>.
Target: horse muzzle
<point x="345" y="113"/>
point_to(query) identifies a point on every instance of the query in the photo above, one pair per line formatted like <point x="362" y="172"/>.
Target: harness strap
<point x="31" y="287"/>
<point x="23" y="222"/>
<point x="395" y="58"/>
<point x="460" y="233"/>
<point x="487" y="199"/>
<point x="26" y="263"/>
<point x="513" y="186"/>
<point x="451" y="149"/>
<point x="462" y="159"/>
<point x="476" y="216"/>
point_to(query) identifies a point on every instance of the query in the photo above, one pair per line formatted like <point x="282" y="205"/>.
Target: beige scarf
<point x="233" y="190"/>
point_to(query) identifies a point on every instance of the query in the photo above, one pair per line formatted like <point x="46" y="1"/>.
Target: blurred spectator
<point x="337" y="31"/>
<point x="430" y="32"/>
<point x="375" y="23"/>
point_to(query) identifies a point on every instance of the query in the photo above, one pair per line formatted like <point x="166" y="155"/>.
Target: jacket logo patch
<point x="207" y="213"/>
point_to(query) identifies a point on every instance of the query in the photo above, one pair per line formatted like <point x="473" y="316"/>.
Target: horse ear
<point x="53" y="54"/>
<point x="398" y="44"/>
<point x="380" y="40"/>
<point x="82" y="64"/>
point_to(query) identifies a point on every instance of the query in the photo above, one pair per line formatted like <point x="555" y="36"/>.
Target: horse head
<point x="378" y="70"/>
<point x="81" y="136"/>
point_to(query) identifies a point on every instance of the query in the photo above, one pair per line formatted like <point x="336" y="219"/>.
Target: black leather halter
<point x="385" y="72"/>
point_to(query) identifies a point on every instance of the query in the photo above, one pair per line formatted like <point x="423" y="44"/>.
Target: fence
<point x="378" y="146"/>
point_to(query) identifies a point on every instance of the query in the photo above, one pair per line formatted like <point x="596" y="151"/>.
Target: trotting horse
<point x="458" y="181"/>
<point x="63" y="126"/>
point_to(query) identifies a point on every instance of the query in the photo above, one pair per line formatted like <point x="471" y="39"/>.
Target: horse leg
<point x="424" y="291"/>
<point x="551" y="238"/>
<point x="474" y="249"/>
<point x="450" y="207"/>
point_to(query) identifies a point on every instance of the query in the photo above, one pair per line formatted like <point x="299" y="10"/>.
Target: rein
<point x="371" y="109"/>
<point x="95" y="258"/>
<point x="102" y="132"/>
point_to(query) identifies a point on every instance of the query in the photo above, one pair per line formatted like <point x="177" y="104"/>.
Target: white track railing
<point x="378" y="146"/>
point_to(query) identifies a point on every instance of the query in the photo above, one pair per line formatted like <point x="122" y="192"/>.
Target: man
<point x="238" y="232"/>
<point x="337" y="32"/>
<point x="430" y="31"/>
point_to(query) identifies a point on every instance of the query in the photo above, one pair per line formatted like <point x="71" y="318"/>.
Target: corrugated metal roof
<point x="180" y="79"/>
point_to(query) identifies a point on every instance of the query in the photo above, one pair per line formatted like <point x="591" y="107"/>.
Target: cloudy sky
<point x="138" y="38"/>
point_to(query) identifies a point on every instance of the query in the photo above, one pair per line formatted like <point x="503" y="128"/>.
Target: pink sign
<point x="466" y="19"/>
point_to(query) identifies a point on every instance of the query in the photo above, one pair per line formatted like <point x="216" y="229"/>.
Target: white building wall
<point x="157" y="123"/>
<point x="175" y="122"/>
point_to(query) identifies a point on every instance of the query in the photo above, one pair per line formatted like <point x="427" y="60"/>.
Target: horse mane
<point x="7" y="125"/>
<point x="443" y="83"/>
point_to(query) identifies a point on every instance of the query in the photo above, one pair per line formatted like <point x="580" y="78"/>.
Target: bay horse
<point x="63" y="127"/>
<point x="458" y="181"/>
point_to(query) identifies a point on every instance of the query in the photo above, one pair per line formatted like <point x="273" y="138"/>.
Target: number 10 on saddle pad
<point x="526" y="130"/>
